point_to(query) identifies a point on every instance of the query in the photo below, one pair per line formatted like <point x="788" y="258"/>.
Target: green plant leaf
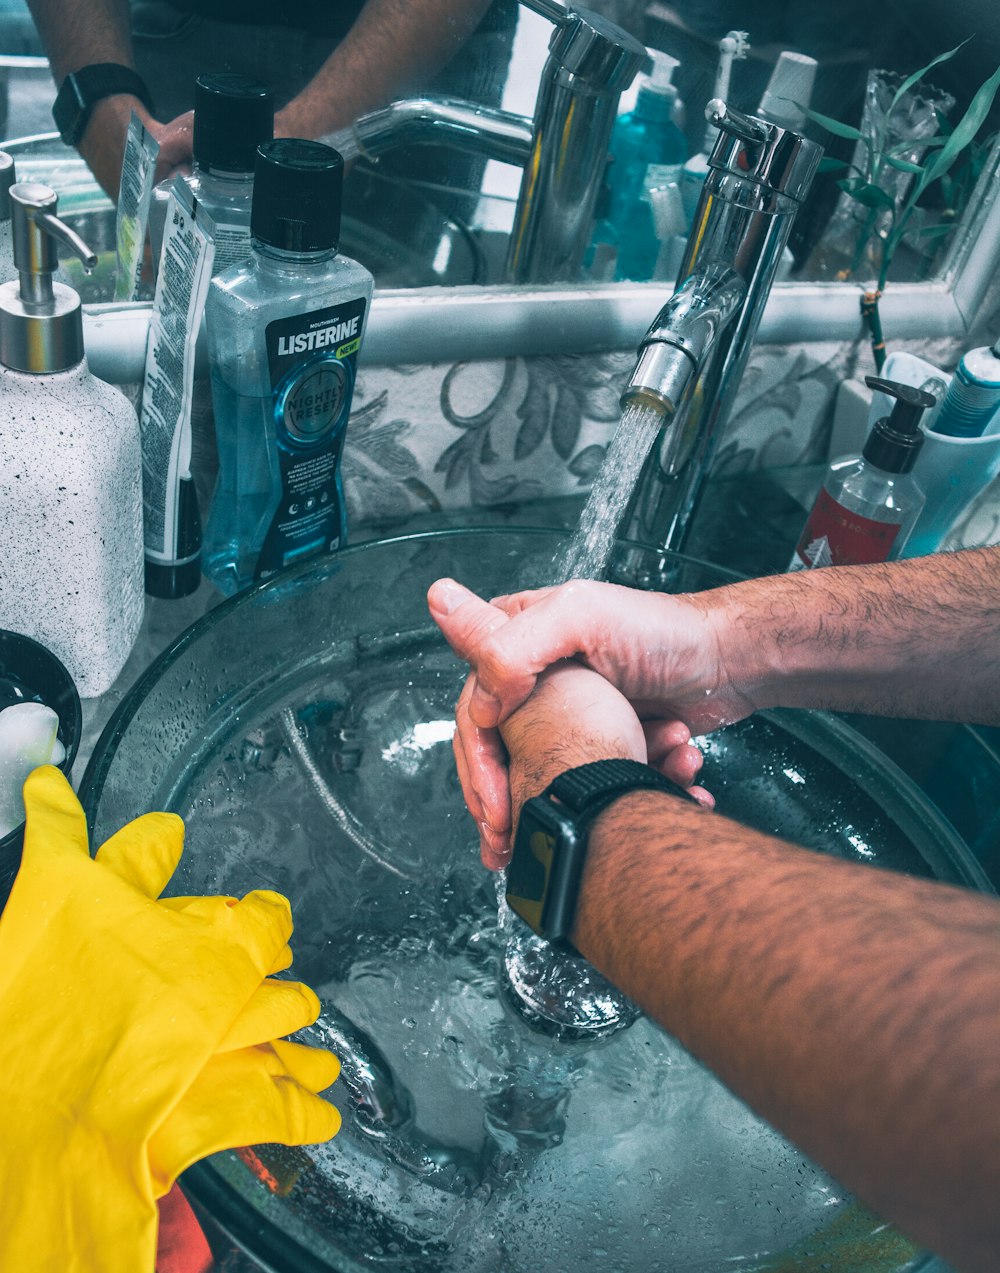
<point x="917" y="76"/>
<point x="866" y="194"/>
<point x="904" y="147"/>
<point x="829" y="164"/>
<point x="902" y="165"/>
<point x="836" y="127"/>
<point x="965" y="129"/>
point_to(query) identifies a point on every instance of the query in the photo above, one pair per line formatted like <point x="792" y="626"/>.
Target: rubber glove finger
<point x="56" y="822"/>
<point x="239" y="1098"/>
<point x="264" y="920"/>
<point x="261" y="923"/>
<point x="276" y="1008"/>
<point x="315" y="1068"/>
<point x="145" y="852"/>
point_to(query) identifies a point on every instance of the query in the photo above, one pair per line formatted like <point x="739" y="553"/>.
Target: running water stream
<point x="556" y="991"/>
<point x="587" y="553"/>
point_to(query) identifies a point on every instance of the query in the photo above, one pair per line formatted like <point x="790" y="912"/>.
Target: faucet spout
<point x="562" y="150"/>
<point x="681" y="337"/>
<point x="691" y="360"/>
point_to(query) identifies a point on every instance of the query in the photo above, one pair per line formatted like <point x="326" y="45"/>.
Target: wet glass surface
<point x="303" y="731"/>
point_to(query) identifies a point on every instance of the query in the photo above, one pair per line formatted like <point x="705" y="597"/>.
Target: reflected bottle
<point x="284" y="332"/>
<point x="233" y="115"/>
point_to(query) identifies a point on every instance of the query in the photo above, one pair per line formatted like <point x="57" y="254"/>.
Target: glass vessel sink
<point x="303" y="731"/>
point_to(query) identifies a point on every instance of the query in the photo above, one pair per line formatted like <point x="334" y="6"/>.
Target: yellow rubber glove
<point x="124" y="1020"/>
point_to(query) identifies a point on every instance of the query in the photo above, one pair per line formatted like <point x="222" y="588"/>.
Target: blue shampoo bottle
<point x="648" y="146"/>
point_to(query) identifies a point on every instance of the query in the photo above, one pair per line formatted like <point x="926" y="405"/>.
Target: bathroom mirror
<point x="938" y="278"/>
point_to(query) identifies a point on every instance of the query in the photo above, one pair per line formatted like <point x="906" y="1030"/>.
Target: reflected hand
<point x="656" y="650"/>
<point x="103" y="142"/>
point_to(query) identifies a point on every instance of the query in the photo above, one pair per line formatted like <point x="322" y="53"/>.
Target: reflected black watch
<point x="550" y="848"/>
<point x="83" y="89"/>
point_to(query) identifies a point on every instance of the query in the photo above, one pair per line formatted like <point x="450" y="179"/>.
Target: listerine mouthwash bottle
<point x="233" y="114"/>
<point x="284" y="333"/>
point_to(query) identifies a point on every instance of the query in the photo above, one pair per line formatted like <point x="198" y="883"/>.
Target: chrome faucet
<point x="563" y="149"/>
<point x="692" y="358"/>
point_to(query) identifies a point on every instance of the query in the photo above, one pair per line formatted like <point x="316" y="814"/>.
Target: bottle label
<point x="232" y="246"/>
<point x="312" y="359"/>
<point x="834" y="536"/>
<point x="186" y="268"/>
<point x="135" y="192"/>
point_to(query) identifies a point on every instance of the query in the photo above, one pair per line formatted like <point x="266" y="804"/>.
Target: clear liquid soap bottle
<point x="869" y="502"/>
<point x="284" y="333"/>
<point x="233" y="114"/>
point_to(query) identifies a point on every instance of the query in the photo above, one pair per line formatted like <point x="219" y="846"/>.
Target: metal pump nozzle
<point x="41" y="329"/>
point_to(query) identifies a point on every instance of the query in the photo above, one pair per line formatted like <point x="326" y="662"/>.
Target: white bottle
<point x="70" y="466"/>
<point x="733" y="47"/>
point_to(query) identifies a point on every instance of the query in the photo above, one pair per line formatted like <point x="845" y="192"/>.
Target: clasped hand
<point x="658" y="654"/>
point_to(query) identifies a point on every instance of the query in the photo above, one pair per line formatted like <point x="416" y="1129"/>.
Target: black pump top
<point x="297" y="193"/>
<point x="895" y="439"/>
<point x="233" y="114"/>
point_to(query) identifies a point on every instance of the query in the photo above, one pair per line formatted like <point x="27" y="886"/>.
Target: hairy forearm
<point x="394" y="47"/>
<point x="81" y="32"/>
<point x="917" y="638"/>
<point x="856" y="1010"/>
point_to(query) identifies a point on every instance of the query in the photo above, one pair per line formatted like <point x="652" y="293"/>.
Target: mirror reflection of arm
<point x="78" y="33"/>
<point x="393" y="48"/>
<point x="855" y="1009"/>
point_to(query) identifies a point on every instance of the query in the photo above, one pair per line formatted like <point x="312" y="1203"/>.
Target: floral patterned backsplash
<point x="477" y="434"/>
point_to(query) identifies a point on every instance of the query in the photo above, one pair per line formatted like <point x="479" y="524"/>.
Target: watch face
<point x="529" y="869"/>
<point x="543" y="874"/>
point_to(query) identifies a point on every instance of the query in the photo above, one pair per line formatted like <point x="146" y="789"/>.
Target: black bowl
<point x="39" y="677"/>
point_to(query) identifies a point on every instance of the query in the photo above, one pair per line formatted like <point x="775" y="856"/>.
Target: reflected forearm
<point x="857" y="1010"/>
<point x="394" y="47"/>
<point x="918" y="638"/>
<point x="77" y="33"/>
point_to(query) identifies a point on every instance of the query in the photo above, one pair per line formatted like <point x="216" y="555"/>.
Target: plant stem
<point x="873" y="321"/>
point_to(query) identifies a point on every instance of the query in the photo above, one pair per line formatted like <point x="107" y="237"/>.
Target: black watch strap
<point x="590" y="788"/>
<point x="83" y="89"/>
<point x="550" y="848"/>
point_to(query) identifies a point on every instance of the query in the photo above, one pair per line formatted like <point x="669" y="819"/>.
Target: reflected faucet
<point x="692" y="358"/>
<point x="563" y="149"/>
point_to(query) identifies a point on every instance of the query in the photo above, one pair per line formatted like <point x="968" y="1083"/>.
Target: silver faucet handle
<point x="751" y="149"/>
<point x="752" y="131"/>
<point x="588" y="45"/>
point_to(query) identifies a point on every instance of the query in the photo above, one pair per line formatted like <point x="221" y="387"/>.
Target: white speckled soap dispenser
<point x="71" y="560"/>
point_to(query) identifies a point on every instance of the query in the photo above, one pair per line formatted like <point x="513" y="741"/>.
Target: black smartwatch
<point x="550" y="848"/>
<point x="84" y="88"/>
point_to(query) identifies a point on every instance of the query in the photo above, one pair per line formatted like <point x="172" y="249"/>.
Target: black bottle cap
<point x="181" y="577"/>
<point x="232" y="116"/>
<point x="895" y="439"/>
<point x="297" y="193"/>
